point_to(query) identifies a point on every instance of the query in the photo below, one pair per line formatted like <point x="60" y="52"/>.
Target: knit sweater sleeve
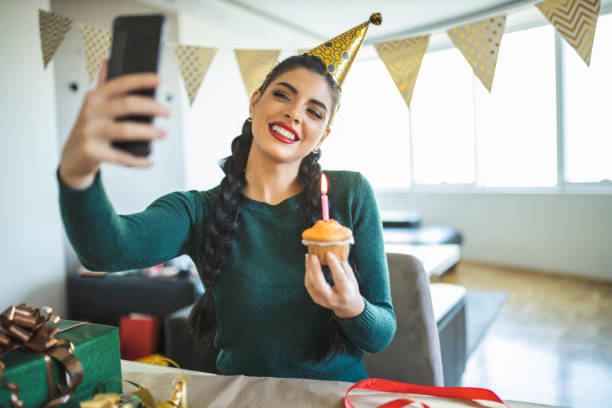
<point x="374" y="328"/>
<point x="106" y="241"/>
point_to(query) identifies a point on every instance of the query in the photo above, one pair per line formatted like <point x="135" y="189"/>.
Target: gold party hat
<point x="339" y="53"/>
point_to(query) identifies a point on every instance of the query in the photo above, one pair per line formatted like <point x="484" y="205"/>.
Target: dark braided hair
<point x="224" y="220"/>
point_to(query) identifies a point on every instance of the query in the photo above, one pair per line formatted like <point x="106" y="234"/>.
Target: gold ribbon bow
<point x="24" y="327"/>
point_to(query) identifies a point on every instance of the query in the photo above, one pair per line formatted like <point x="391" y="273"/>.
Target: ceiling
<point x="286" y="23"/>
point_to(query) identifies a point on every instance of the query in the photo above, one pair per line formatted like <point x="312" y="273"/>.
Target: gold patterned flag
<point x="193" y="63"/>
<point x="479" y="43"/>
<point x="403" y="60"/>
<point x="575" y="20"/>
<point x="254" y="66"/>
<point x="53" y="28"/>
<point x="97" y="44"/>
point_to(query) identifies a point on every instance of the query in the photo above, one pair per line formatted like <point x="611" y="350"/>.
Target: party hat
<point x="339" y="53"/>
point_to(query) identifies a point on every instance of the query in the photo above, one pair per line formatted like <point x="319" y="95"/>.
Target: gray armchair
<point x="414" y="354"/>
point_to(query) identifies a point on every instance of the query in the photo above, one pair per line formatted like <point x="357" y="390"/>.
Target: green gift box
<point x="97" y="348"/>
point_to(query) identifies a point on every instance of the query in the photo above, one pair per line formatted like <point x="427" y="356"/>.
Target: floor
<point x="551" y="343"/>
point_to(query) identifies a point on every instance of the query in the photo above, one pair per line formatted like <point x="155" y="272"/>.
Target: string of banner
<point x="478" y="41"/>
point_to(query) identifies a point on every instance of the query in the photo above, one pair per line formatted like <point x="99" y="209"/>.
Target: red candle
<point x="324" y="201"/>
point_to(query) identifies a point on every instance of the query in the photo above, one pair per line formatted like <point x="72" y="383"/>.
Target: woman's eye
<point x="280" y="95"/>
<point x="315" y="113"/>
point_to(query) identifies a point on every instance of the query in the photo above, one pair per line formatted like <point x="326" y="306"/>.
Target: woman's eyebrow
<point x="295" y="92"/>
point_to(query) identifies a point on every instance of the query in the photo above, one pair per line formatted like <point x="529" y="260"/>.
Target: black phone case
<point x="136" y="47"/>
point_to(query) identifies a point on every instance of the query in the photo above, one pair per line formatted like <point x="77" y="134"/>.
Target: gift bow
<point x="24" y="327"/>
<point x="178" y="398"/>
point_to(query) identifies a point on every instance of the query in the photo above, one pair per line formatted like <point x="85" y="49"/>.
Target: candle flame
<point x="323" y="184"/>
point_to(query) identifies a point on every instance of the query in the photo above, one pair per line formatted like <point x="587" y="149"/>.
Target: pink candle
<point x="324" y="201"/>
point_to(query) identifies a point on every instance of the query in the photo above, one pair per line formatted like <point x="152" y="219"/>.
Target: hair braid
<point x="221" y="227"/>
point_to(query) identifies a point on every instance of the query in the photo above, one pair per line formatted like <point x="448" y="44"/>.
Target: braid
<point x="223" y="222"/>
<point x="309" y="175"/>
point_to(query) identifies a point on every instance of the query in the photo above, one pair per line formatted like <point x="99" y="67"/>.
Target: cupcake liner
<point x="341" y="251"/>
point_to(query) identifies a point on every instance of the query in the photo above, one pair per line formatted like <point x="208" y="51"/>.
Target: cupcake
<point x="328" y="236"/>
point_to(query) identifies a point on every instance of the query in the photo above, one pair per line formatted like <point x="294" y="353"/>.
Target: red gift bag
<point x="376" y="393"/>
<point x="138" y="335"/>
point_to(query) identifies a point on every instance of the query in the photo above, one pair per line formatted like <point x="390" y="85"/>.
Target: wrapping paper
<point x="96" y="347"/>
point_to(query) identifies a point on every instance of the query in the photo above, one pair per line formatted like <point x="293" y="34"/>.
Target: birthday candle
<point x="324" y="200"/>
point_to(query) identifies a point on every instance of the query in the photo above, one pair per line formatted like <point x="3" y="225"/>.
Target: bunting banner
<point x="403" y="60"/>
<point x="53" y="28"/>
<point x="575" y="21"/>
<point x="254" y="66"/>
<point x="193" y="63"/>
<point x="479" y="43"/>
<point x="97" y="45"/>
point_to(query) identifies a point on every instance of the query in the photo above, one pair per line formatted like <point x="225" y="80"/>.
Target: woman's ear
<point x="254" y="99"/>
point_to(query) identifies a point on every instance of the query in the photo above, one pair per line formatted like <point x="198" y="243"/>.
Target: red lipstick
<point x="287" y="135"/>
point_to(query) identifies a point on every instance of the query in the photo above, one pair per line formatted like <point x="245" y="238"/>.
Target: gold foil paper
<point x="96" y="42"/>
<point x="194" y="63"/>
<point x="254" y="66"/>
<point x="479" y="43"/>
<point x="53" y="28"/>
<point x="575" y="20"/>
<point x="403" y="60"/>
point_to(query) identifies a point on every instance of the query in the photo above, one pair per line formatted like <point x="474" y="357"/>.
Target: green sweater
<point x="267" y="324"/>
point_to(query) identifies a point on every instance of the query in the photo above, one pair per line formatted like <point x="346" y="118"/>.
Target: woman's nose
<point x="292" y="116"/>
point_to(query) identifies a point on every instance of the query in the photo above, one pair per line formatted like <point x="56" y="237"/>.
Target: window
<point x="587" y="90"/>
<point x="370" y="133"/>
<point x="456" y="132"/>
<point x="516" y="123"/>
<point x="442" y="115"/>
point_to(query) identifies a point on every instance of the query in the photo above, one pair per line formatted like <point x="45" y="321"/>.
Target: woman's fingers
<point x="132" y="131"/>
<point x="130" y="82"/>
<point x="135" y="105"/>
<point x="341" y="284"/>
<point x="315" y="281"/>
<point x="125" y="159"/>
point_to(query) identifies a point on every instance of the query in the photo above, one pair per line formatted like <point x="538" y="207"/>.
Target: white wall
<point x="568" y="233"/>
<point x="31" y="242"/>
<point x="130" y="190"/>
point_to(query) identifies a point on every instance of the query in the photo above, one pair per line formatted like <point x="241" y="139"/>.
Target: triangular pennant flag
<point x="479" y="43"/>
<point x="97" y="44"/>
<point x="193" y="63"/>
<point x="254" y="66"/>
<point x="53" y="28"/>
<point x="403" y="60"/>
<point x="575" y="20"/>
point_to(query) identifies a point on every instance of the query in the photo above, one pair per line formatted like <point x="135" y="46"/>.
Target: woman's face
<point x="290" y="118"/>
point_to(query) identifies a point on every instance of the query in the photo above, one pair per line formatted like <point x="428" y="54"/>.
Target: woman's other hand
<point x="90" y="142"/>
<point x="343" y="298"/>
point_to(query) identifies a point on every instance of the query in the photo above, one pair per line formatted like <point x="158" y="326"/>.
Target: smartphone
<point x="136" y="47"/>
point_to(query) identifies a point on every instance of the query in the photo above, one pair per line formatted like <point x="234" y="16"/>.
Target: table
<point x="436" y="259"/>
<point x="210" y="390"/>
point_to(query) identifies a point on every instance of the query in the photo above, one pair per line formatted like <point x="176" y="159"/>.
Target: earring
<point x="250" y="119"/>
<point x="317" y="150"/>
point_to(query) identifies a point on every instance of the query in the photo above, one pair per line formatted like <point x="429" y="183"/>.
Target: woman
<point x="270" y="312"/>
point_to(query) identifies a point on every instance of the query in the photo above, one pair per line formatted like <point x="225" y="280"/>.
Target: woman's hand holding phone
<point x="90" y="142"/>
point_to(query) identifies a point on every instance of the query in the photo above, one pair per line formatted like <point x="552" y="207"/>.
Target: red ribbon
<point x="375" y="384"/>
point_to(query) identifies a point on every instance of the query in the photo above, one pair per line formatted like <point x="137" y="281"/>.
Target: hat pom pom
<point x="376" y="18"/>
